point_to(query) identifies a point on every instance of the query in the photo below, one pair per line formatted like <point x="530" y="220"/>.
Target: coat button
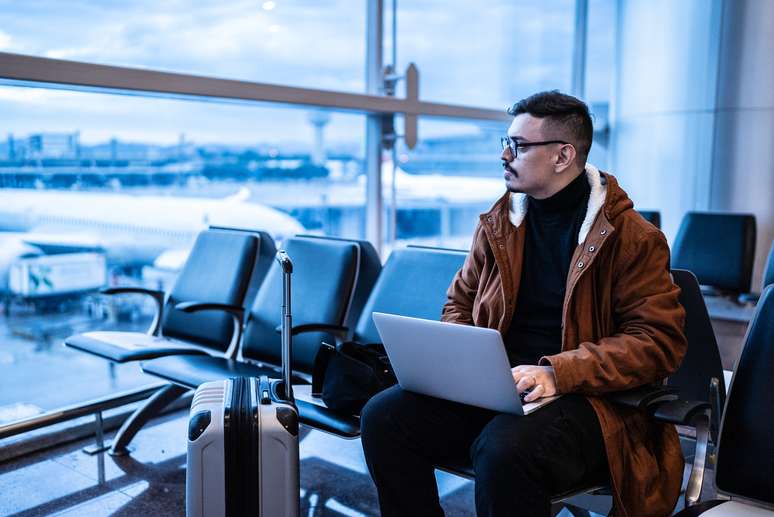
<point x="592" y="248"/>
<point x="489" y="218"/>
<point x="603" y="232"/>
<point x="501" y="245"/>
<point x="580" y="264"/>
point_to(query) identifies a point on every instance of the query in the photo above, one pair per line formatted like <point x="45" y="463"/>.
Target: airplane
<point x="130" y="231"/>
<point x="450" y="189"/>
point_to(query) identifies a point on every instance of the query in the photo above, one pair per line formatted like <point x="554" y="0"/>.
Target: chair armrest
<point x="338" y="331"/>
<point x="643" y="396"/>
<point x="236" y="310"/>
<point x="663" y="404"/>
<point x="749" y="298"/>
<point x="696" y="414"/>
<point x="237" y="313"/>
<point x="680" y="412"/>
<point x="133" y="290"/>
<point x="158" y="297"/>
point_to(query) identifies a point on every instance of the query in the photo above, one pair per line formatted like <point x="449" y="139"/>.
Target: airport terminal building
<point x="159" y="158"/>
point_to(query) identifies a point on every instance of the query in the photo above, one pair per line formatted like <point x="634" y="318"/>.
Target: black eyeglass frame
<point x="509" y="143"/>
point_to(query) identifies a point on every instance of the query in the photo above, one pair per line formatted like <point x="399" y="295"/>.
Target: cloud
<point x="5" y="41"/>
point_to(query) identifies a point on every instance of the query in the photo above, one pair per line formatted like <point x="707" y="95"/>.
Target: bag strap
<point x="321" y="361"/>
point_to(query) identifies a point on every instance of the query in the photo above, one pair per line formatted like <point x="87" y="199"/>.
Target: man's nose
<point x="507" y="155"/>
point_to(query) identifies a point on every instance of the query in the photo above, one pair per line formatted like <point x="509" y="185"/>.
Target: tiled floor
<point x="151" y="482"/>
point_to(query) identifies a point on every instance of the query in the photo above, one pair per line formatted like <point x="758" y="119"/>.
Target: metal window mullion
<point x="51" y="73"/>
<point x="373" y="147"/>
<point x="578" y="86"/>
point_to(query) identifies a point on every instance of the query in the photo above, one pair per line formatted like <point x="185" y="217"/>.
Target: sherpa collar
<point x="518" y="208"/>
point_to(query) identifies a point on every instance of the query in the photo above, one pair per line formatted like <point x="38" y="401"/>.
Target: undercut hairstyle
<point x="567" y="118"/>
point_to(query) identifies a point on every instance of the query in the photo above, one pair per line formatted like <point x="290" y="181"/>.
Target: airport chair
<point x="652" y="216"/>
<point x="219" y="269"/>
<point x="719" y="248"/>
<point x="692" y="398"/>
<point x="330" y="277"/>
<point x="413" y="283"/>
<point x="768" y="278"/>
<point x="700" y="376"/>
<point x="768" y="272"/>
<point x="744" y="466"/>
<point x="224" y="266"/>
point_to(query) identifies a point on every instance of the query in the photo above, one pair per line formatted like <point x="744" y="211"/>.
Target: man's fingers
<point x="519" y="372"/>
<point x="535" y="394"/>
<point x="525" y="383"/>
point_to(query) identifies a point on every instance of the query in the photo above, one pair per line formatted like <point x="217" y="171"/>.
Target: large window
<point x="96" y="179"/>
<point x="94" y="173"/>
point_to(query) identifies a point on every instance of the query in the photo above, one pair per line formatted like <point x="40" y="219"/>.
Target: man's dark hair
<point x="567" y="118"/>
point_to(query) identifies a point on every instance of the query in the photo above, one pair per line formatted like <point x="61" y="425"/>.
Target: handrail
<point x="78" y="410"/>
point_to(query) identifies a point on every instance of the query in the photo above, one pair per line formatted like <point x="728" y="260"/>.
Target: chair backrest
<point x="413" y="283"/>
<point x="219" y="269"/>
<point x="768" y="271"/>
<point x="325" y="274"/>
<point x="264" y="258"/>
<point x="719" y="248"/>
<point x="745" y="461"/>
<point x="702" y="360"/>
<point x="652" y="216"/>
<point x="369" y="268"/>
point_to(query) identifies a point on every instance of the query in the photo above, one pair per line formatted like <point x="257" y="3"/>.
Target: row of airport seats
<point x="337" y="285"/>
<point x="719" y="248"/>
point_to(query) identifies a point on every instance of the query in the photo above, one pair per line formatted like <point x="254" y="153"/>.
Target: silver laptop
<point x="453" y="362"/>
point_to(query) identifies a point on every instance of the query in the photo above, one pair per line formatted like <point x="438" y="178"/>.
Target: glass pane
<point x="600" y="50"/>
<point x="600" y="62"/>
<point x="116" y="188"/>
<point x="485" y="54"/>
<point x="296" y="42"/>
<point x="443" y="184"/>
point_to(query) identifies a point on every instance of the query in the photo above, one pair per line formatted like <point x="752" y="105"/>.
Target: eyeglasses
<point x="508" y="143"/>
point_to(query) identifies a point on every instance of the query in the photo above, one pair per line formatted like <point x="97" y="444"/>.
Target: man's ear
<point x="564" y="158"/>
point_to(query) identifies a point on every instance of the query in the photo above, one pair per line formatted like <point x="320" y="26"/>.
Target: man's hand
<point x="540" y="379"/>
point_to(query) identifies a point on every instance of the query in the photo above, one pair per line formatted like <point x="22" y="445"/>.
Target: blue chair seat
<point x="191" y="371"/>
<point x="123" y="347"/>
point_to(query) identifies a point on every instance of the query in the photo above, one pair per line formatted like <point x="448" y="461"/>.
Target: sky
<point x="487" y="54"/>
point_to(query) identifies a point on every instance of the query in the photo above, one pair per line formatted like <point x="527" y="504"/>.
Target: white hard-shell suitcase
<point x="243" y="440"/>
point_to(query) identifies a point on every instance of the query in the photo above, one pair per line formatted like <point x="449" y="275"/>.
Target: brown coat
<point x="622" y="327"/>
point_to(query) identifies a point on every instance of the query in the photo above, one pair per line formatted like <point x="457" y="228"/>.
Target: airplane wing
<point x="54" y="243"/>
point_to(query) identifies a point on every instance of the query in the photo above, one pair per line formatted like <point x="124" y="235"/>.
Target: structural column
<point x="692" y="120"/>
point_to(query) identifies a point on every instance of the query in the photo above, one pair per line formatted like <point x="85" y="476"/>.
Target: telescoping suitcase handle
<point x="287" y="322"/>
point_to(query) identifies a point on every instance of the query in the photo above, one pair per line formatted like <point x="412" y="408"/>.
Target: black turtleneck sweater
<point x="552" y="226"/>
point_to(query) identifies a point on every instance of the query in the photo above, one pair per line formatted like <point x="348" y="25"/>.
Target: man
<point x="578" y="284"/>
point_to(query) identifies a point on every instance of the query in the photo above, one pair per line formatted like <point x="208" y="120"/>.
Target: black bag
<point x="348" y="375"/>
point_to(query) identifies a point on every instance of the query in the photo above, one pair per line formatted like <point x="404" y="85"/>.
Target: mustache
<point x="507" y="167"/>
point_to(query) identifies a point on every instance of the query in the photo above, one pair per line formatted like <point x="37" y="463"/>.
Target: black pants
<point x="519" y="461"/>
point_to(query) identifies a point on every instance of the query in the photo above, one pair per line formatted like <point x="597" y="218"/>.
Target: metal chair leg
<point x="131" y="426"/>
<point x="696" y="478"/>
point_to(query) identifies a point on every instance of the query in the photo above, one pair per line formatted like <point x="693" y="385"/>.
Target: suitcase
<point x="243" y="440"/>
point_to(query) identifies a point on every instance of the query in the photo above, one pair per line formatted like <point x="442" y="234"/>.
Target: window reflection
<point x="102" y="189"/>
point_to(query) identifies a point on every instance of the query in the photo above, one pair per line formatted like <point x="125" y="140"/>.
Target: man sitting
<point x="578" y="284"/>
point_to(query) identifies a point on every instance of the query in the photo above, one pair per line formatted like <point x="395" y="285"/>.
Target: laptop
<point x="455" y="362"/>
